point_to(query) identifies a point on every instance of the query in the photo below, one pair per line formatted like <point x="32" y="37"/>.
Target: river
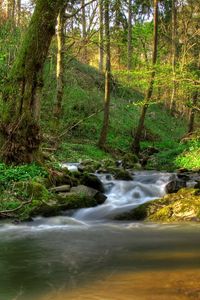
<point x="89" y="256"/>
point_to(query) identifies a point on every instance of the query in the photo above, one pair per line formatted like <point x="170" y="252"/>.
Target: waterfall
<point x="122" y="196"/>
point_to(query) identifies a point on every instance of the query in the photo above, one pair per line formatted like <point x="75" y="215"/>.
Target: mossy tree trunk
<point x="104" y="130"/>
<point x="139" y="129"/>
<point x="20" y="131"/>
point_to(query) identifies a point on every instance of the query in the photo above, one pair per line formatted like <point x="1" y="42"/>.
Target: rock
<point x="89" y="166"/>
<point x="60" y="189"/>
<point x="174" y="185"/>
<point x="63" y="178"/>
<point x="122" y="174"/>
<point x="129" y="160"/>
<point x="178" y="207"/>
<point x="197" y="185"/>
<point x="92" y="181"/>
<point x="89" y="192"/>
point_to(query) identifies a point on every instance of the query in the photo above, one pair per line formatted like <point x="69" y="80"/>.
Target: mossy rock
<point x="92" y="181"/>
<point x="178" y="207"/>
<point x="106" y="163"/>
<point x="121" y="174"/>
<point x="129" y="160"/>
<point x="32" y="189"/>
<point x="62" y="178"/>
<point x="89" y="166"/>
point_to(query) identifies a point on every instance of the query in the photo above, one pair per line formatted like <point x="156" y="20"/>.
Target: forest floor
<point x="81" y="122"/>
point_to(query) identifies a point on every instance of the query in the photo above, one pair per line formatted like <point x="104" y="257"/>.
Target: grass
<point x="83" y="95"/>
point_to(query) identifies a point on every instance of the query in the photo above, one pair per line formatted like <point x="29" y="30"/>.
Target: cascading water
<point x="122" y="195"/>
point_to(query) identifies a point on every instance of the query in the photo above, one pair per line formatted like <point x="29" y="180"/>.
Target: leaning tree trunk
<point x="104" y="131"/>
<point x="20" y="131"/>
<point x="138" y="133"/>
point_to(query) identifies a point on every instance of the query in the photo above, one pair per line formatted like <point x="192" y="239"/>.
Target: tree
<point x="101" y="49"/>
<point x="138" y="133"/>
<point x="60" y="63"/>
<point x="20" y="131"/>
<point x="18" y="14"/>
<point x="172" y="104"/>
<point x="129" y="34"/>
<point x="104" y="131"/>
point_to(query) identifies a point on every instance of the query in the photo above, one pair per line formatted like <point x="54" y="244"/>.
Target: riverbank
<point x="50" y="192"/>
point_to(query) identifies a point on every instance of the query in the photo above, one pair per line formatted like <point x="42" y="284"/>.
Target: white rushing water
<point x="122" y="195"/>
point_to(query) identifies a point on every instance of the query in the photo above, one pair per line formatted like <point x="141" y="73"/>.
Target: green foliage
<point x="190" y="158"/>
<point x="9" y="174"/>
<point x="74" y="152"/>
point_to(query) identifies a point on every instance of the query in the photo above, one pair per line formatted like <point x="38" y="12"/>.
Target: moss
<point x="32" y="189"/>
<point x="181" y="206"/>
<point x="122" y="174"/>
<point x="129" y="160"/>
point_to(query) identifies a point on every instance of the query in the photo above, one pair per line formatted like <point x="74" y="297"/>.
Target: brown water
<point x="159" y="285"/>
<point x="61" y="258"/>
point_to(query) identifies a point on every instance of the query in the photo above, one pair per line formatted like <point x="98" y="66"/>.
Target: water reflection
<point x="89" y="259"/>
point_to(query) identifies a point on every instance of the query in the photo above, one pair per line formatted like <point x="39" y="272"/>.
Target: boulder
<point x="122" y="174"/>
<point x="174" y="185"/>
<point x="92" y="181"/>
<point x="89" y="192"/>
<point x="129" y="160"/>
<point x="178" y="207"/>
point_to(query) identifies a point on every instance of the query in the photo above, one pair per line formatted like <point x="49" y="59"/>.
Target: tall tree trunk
<point x="18" y="13"/>
<point x="20" y="130"/>
<point x="101" y="49"/>
<point x="172" y="103"/>
<point x="84" y="34"/>
<point x="60" y="64"/>
<point x="138" y="133"/>
<point x="104" y="131"/>
<point x="10" y="10"/>
<point x="192" y="112"/>
<point x="129" y="52"/>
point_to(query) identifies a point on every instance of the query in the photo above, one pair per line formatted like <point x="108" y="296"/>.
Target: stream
<point x="87" y="255"/>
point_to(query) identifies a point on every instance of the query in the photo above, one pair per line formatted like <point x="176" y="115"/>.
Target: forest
<point x="100" y="122"/>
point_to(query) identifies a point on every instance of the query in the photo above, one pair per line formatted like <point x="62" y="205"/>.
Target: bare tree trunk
<point x="192" y="112"/>
<point x="138" y="133"/>
<point x="104" y="131"/>
<point x="19" y="128"/>
<point x="101" y="49"/>
<point x="18" y="13"/>
<point x="172" y="103"/>
<point x="84" y="34"/>
<point x="60" y="64"/>
<point x="10" y="10"/>
<point x="129" y="35"/>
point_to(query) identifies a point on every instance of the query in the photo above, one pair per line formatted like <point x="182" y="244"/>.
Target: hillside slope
<point x="83" y="97"/>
